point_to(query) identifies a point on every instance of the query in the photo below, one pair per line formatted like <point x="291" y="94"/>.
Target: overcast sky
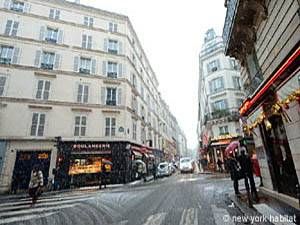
<point x="171" y="33"/>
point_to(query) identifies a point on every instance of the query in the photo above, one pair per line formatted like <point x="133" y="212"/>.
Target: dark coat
<point x="232" y="165"/>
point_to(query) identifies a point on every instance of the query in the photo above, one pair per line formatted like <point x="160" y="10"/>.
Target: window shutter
<point x="93" y="66"/>
<point x="37" y="58"/>
<point x="119" y="96"/>
<point x="8" y="27"/>
<point x="120" y="72"/>
<point x="83" y="43"/>
<point x="47" y="90"/>
<point x="51" y="14"/>
<point x="15" y="29"/>
<point x="57" y="61"/>
<point x="39" y="89"/>
<point x="16" y="55"/>
<point x="7" y="4"/>
<point x="60" y="36"/>
<point x="79" y="93"/>
<point x="104" y="64"/>
<point x="103" y="97"/>
<point x="120" y="47"/>
<point x="86" y="94"/>
<point x="89" y="43"/>
<point x="76" y="63"/>
<point x="105" y="44"/>
<point x="41" y="125"/>
<point x="27" y="7"/>
<point x="42" y="33"/>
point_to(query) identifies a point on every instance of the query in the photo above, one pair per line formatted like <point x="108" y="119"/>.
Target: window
<point x="213" y="66"/>
<point x="11" y="28"/>
<point x="216" y="85"/>
<point x="219" y="105"/>
<point x="6" y="54"/>
<point x="47" y="60"/>
<point x="37" y="124"/>
<point x="143" y="114"/>
<point x="83" y="93"/>
<point x="86" y="41"/>
<point x="143" y="135"/>
<point x="88" y="21"/>
<point x="54" y="14"/>
<point x="111" y="96"/>
<point x="43" y="90"/>
<point x="134" y="130"/>
<point x="2" y="84"/>
<point x="112" y="27"/>
<point x="110" y="126"/>
<point x="85" y="65"/>
<point x="236" y="83"/>
<point x="112" y="46"/>
<point x="223" y="130"/>
<point x="133" y="58"/>
<point x="112" y="69"/>
<point x="142" y="92"/>
<point x="17" y="6"/>
<point x="239" y="102"/>
<point x="51" y="35"/>
<point x="80" y="126"/>
<point x="234" y="64"/>
<point x="134" y="104"/>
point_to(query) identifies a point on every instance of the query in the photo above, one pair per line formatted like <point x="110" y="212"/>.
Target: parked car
<point x="163" y="169"/>
<point x="186" y="165"/>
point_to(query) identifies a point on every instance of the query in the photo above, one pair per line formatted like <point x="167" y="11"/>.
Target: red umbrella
<point x="231" y="147"/>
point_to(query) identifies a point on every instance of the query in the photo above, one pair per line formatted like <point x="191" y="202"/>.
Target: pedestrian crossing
<point x="19" y="210"/>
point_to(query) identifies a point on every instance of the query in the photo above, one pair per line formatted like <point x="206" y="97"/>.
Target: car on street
<point x="186" y="165"/>
<point x="163" y="169"/>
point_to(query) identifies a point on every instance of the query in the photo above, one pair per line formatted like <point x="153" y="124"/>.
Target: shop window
<point x="38" y="124"/>
<point x="80" y="126"/>
<point x="110" y="126"/>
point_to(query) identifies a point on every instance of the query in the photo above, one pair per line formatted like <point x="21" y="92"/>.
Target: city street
<point x="179" y="199"/>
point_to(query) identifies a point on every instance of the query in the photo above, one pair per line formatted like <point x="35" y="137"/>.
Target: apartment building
<point x="264" y="37"/>
<point x="220" y="95"/>
<point x="76" y="87"/>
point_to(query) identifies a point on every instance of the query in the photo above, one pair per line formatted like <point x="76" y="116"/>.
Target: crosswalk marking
<point x="155" y="219"/>
<point x="189" y="217"/>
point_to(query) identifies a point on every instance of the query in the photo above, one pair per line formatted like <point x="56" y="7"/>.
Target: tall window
<point x="133" y="80"/>
<point x="11" y="28"/>
<point x="47" y="60"/>
<point x="54" y="14"/>
<point x="143" y="114"/>
<point x="6" y="54"/>
<point x="134" y="104"/>
<point x="85" y="65"/>
<point x="112" y="69"/>
<point x="43" y="89"/>
<point x="86" y="41"/>
<point x="38" y="124"/>
<point x="213" y="66"/>
<point x="234" y="64"/>
<point x="51" y="35"/>
<point x="236" y="83"/>
<point x="223" y="130"/>
<point x="134" y="130"/>
<point x="2" y="84"/>
<point x="110" y="126"/>
<point x="219" y="105"/>
<point x="216" y="85"/>
<point x="143" y="135"/>
<point x="80" y="126"/>
<point x="112" y="27"/>
<point x="17" y="6"/>
<point x="88" y="21"/>
<point x="112" y="46"/>
<point x="111" y="96"/>
<point x="83" y="93"/>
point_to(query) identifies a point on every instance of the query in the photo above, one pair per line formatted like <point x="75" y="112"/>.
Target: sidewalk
<point x="276" y="211"/>
<point x="4" y="197"/>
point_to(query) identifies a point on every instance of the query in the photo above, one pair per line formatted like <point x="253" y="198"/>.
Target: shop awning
<point x="136" y="153"/>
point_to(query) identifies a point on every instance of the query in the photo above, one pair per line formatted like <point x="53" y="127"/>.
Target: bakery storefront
<point x="79" y="163"/>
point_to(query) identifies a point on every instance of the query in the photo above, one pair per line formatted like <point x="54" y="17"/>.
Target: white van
<point x="186" y="165"/>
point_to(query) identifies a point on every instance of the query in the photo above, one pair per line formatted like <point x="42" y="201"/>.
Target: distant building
<point x="220" y="95"/>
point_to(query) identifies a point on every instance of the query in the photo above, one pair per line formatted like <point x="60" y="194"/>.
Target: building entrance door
<point x="281" y="164"/>
<point x="24" y="163"/>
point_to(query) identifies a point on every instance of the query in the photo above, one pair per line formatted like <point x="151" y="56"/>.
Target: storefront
<point x="79" y="163"/>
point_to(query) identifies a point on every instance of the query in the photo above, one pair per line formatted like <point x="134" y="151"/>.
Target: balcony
<point x="111" y="102"/>
<point x="51" y="40"/>
<point x="85" y="71"/>
<point x="46" y="66"/>
<point x="112" y="74"/>
<point x="231" y="114"/>
<point x="239" y="31"/>
<point x="113" y="51"/>
<point x="6" y="61"/>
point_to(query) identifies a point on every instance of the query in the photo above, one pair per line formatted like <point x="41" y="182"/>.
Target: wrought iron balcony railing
<point x="231" y="114"/>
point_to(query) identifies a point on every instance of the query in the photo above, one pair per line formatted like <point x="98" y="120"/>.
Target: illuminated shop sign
<point x="92" y="147"/>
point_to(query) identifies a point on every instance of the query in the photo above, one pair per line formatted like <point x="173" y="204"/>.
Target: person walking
<point x="220" y="163"/>
<point x="235" y="172"/>
<point x="103" y="176"/>
<point x="36" y="184"/>
<point x="154" y="170"/>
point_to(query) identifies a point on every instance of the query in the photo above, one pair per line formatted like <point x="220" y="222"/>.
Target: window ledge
<point x="40" y="107"/>
<point x="41" y="74"/>
<point x="81" y="110"/>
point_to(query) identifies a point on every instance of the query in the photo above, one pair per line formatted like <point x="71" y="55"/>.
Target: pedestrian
<point x="36" y="184"/>
<point x="15" y="183"/>
<point x="103" y="176"/>
<point x="220" y="163"/>
<point x="246" y="167"/>
<point x="235" y="172"/>
<point x="154" y="170"/>
<point x="256" y="169"/>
